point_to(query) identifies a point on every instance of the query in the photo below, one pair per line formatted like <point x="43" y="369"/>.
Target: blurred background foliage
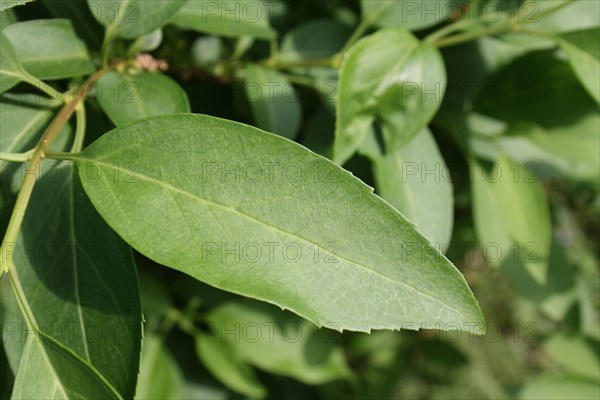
<point x="506" y="97"/>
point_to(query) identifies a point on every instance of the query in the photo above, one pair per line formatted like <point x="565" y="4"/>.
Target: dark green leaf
<point x="392" y="78"/>
<point x="233" y="18"/>
<point x="126" y="98"/>
<point x="130" y="19"/>
<point x="49" y="49"/>
<point x="274" y="101"/>
<point x="80" y="285"/>
<point x="183" y="187"/>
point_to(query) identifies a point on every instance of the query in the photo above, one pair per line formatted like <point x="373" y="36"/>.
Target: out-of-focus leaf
<point x="408" y="14"/>
<point x="279" y="342"/>
<point x="126" y="98"/>
<point x="512" y="214"/>
<point x="233" y="18"/>
<point x="416" y="180"/>
<point x="49" y="49"/>
<point x="559" y="388"/>
<point x="7" y="4"/>
<point x="313" y="40"/>
<point x="84" y="23"/>
<point x="130" y="19"/>
<point x="225" y="363"/>
<point x="583" y="50"/>
<point x="274" y="101"/>
<point x="574" y="354"/>
<point x="160" y="377"/>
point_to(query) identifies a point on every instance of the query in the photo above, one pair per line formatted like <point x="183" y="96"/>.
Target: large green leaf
<point x="186" y="189"/>
<point x="408" y="14"/>
<point x="11" y="71"/>
<point x="80" y="285"/>
<point x="274" y="101"/>
<point x="226" y="364"/>
<point x="582" y="48"/>
<point x="512" y="215"/>
<point x="130" y="19"/>
<point x="233" y="18"/>
<point x="126" y="98"/>
<point x="49" y="49"/>
<point x="392" y="78"/>
<point x="416" y="180"/>
<point x="278" y="342"/>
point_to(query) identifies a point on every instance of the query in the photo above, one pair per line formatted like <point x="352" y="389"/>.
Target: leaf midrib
<point x="256" y="220"/>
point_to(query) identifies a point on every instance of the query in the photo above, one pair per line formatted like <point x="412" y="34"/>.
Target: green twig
<point x="80" y="130"/>
<point x="16" y="157"/>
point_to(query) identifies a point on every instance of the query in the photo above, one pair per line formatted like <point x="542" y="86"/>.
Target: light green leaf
<point x="130" y="19"/>
<point x="574" y="354"/>
<point x="559" y="388"/>
<point x="225" y="364"/>
<point x="392" y="78"/>
<point x="182" y="187"/>
<point x="512" y="215"/>
<point x="274" y="101"/>
<point x="80" y="283"/>
<point x="11" y="71"/>
<point x="572" y="17"/>
<point x="49" y="49"/>
<point x="416" y="180"/>
<point x="232" y="18"/>
<point x="278" y="342"/>
<point x="412" y="15"/>
<point x="6" y="4"/>
<point x="126" y="98"/>
<point x="160" y="376"/>
<point x="582" y="49"/>
<point x="147" y="43"/>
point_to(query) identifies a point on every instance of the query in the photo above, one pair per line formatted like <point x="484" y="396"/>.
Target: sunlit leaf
<point x="182" y="187"/>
